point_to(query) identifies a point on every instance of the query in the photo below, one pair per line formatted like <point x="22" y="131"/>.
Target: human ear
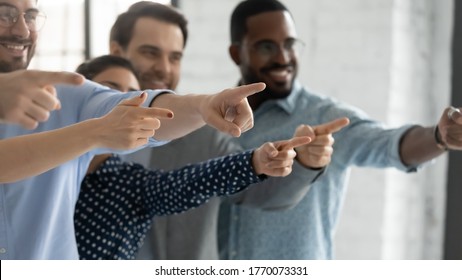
<point x="115" y="48"/>
<point x="234" y="52"/>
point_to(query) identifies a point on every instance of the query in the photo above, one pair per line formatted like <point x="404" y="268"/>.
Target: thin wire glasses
<point x="267" y="49"/>
<point x="34" y="19"/>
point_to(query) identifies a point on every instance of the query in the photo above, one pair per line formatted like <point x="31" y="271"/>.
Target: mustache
<point x="15" y="40"/>
<point x="277" y="66"/>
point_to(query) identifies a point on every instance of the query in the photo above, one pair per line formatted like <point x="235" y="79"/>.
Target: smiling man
<point x="152" y="36"/>
<point x="18" y="45"/>
<point x="264" y="46"/>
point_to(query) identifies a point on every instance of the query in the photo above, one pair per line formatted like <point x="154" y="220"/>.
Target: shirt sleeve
<point x="92" y="100"/>
<point x="166" y="193"/>
<point x="169" y="192"/>
<point x="279" y="193"/>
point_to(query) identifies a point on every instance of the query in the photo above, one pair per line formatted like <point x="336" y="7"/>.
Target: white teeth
<point x="15" y="47"/>
<point x="279" y="72"/>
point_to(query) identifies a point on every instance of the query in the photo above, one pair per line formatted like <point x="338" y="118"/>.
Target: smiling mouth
<point x="280" y="74"/>
<point x="157" y="84"/>
<point x="16" y="48"/>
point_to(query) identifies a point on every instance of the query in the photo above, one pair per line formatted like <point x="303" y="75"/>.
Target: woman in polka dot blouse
<point x="118" y="200"/>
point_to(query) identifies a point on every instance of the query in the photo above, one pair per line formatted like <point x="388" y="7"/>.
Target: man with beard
<point x="264" y="46"/>
<point x="153" y="36"/>
<point x="37" y="213"/>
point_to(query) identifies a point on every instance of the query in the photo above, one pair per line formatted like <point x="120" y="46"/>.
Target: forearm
<point x="188" y="187"/>
<point x="187" y="117"/>
<point x="277" y="194"/>
<point x="32" y="154"/>
<point x="418" y="145"/>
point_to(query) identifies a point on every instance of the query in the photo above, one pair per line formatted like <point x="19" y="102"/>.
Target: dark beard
<point x="249" y="76"/>
<point x="17" y="63"/>
<point x="255" y="100"/>
<point x="6" y="67"/>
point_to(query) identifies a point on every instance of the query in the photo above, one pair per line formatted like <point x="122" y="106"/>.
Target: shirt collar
<point x="288" y="104"/>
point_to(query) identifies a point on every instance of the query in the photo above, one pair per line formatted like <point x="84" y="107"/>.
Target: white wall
<point x="390" y="58"/>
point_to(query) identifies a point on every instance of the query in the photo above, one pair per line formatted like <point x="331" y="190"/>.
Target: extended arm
<point x="312" y="158"/>
<point x="227" y="111"/>
<point x="419" y="143"/>
<point x="179" y="190"/>
<point x="122" y="128"/>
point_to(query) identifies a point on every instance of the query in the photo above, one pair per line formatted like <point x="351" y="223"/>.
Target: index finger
<point x="160" y="113"/>
<point x="53" y="77"/>
<point x="244" y="91"/>
<point x="332" y="126"/>
<point x="294" y="142"/>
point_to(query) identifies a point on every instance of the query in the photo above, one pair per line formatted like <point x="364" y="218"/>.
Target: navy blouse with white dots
<point x="117" y="202"/>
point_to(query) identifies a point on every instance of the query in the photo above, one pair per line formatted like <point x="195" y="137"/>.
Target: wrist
<point x="93" y="131"/>
<point x="439" y="142"/>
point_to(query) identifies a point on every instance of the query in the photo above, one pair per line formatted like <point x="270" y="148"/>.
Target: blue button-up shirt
<point x="306" y="231"/>
<point x="36" y="214"/>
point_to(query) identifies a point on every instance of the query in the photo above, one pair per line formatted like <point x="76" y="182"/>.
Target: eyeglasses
<point x="33" y="18"/>
<point x="270" y="49"/>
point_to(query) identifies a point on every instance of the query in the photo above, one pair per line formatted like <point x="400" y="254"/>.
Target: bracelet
<point x="439" y="142"/>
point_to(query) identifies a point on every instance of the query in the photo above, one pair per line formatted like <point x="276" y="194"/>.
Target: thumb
<point x="454" y="114"/>
<point x="270" y="150"/>
<point x="305" y="130"/>
<point x="51" y="90"/>
<point x="135" y="100"/>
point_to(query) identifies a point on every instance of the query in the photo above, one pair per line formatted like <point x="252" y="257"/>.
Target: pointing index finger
<point x="332" y="126"/>
<point x="294" y="142"/>
<point x="160" y="113"/>
<point x="51" y="77"/>
<point x="247" y="90"/>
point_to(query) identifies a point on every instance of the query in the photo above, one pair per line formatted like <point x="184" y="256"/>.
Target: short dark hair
<point x="246" y="9"/>
<point x="91" y="68"/>
<point x="122" y="30"/>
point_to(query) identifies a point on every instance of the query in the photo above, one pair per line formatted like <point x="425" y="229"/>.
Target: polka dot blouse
<point x="117" y="202"/>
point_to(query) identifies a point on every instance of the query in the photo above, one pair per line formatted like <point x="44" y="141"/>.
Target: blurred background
<point x="398" y="60"/>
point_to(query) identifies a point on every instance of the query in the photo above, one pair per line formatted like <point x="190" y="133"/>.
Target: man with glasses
<point x="20" y="43"/>
<point x="37" y="213"/>
<point x="263" y="46"/>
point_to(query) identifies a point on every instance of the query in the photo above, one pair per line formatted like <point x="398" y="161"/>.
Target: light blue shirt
<point x="36" y="214"/>
<point x="306" y="230"/>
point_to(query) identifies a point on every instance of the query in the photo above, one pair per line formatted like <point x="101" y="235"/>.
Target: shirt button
<point x="235" y="218"/>
<point x="2" y="250"/>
